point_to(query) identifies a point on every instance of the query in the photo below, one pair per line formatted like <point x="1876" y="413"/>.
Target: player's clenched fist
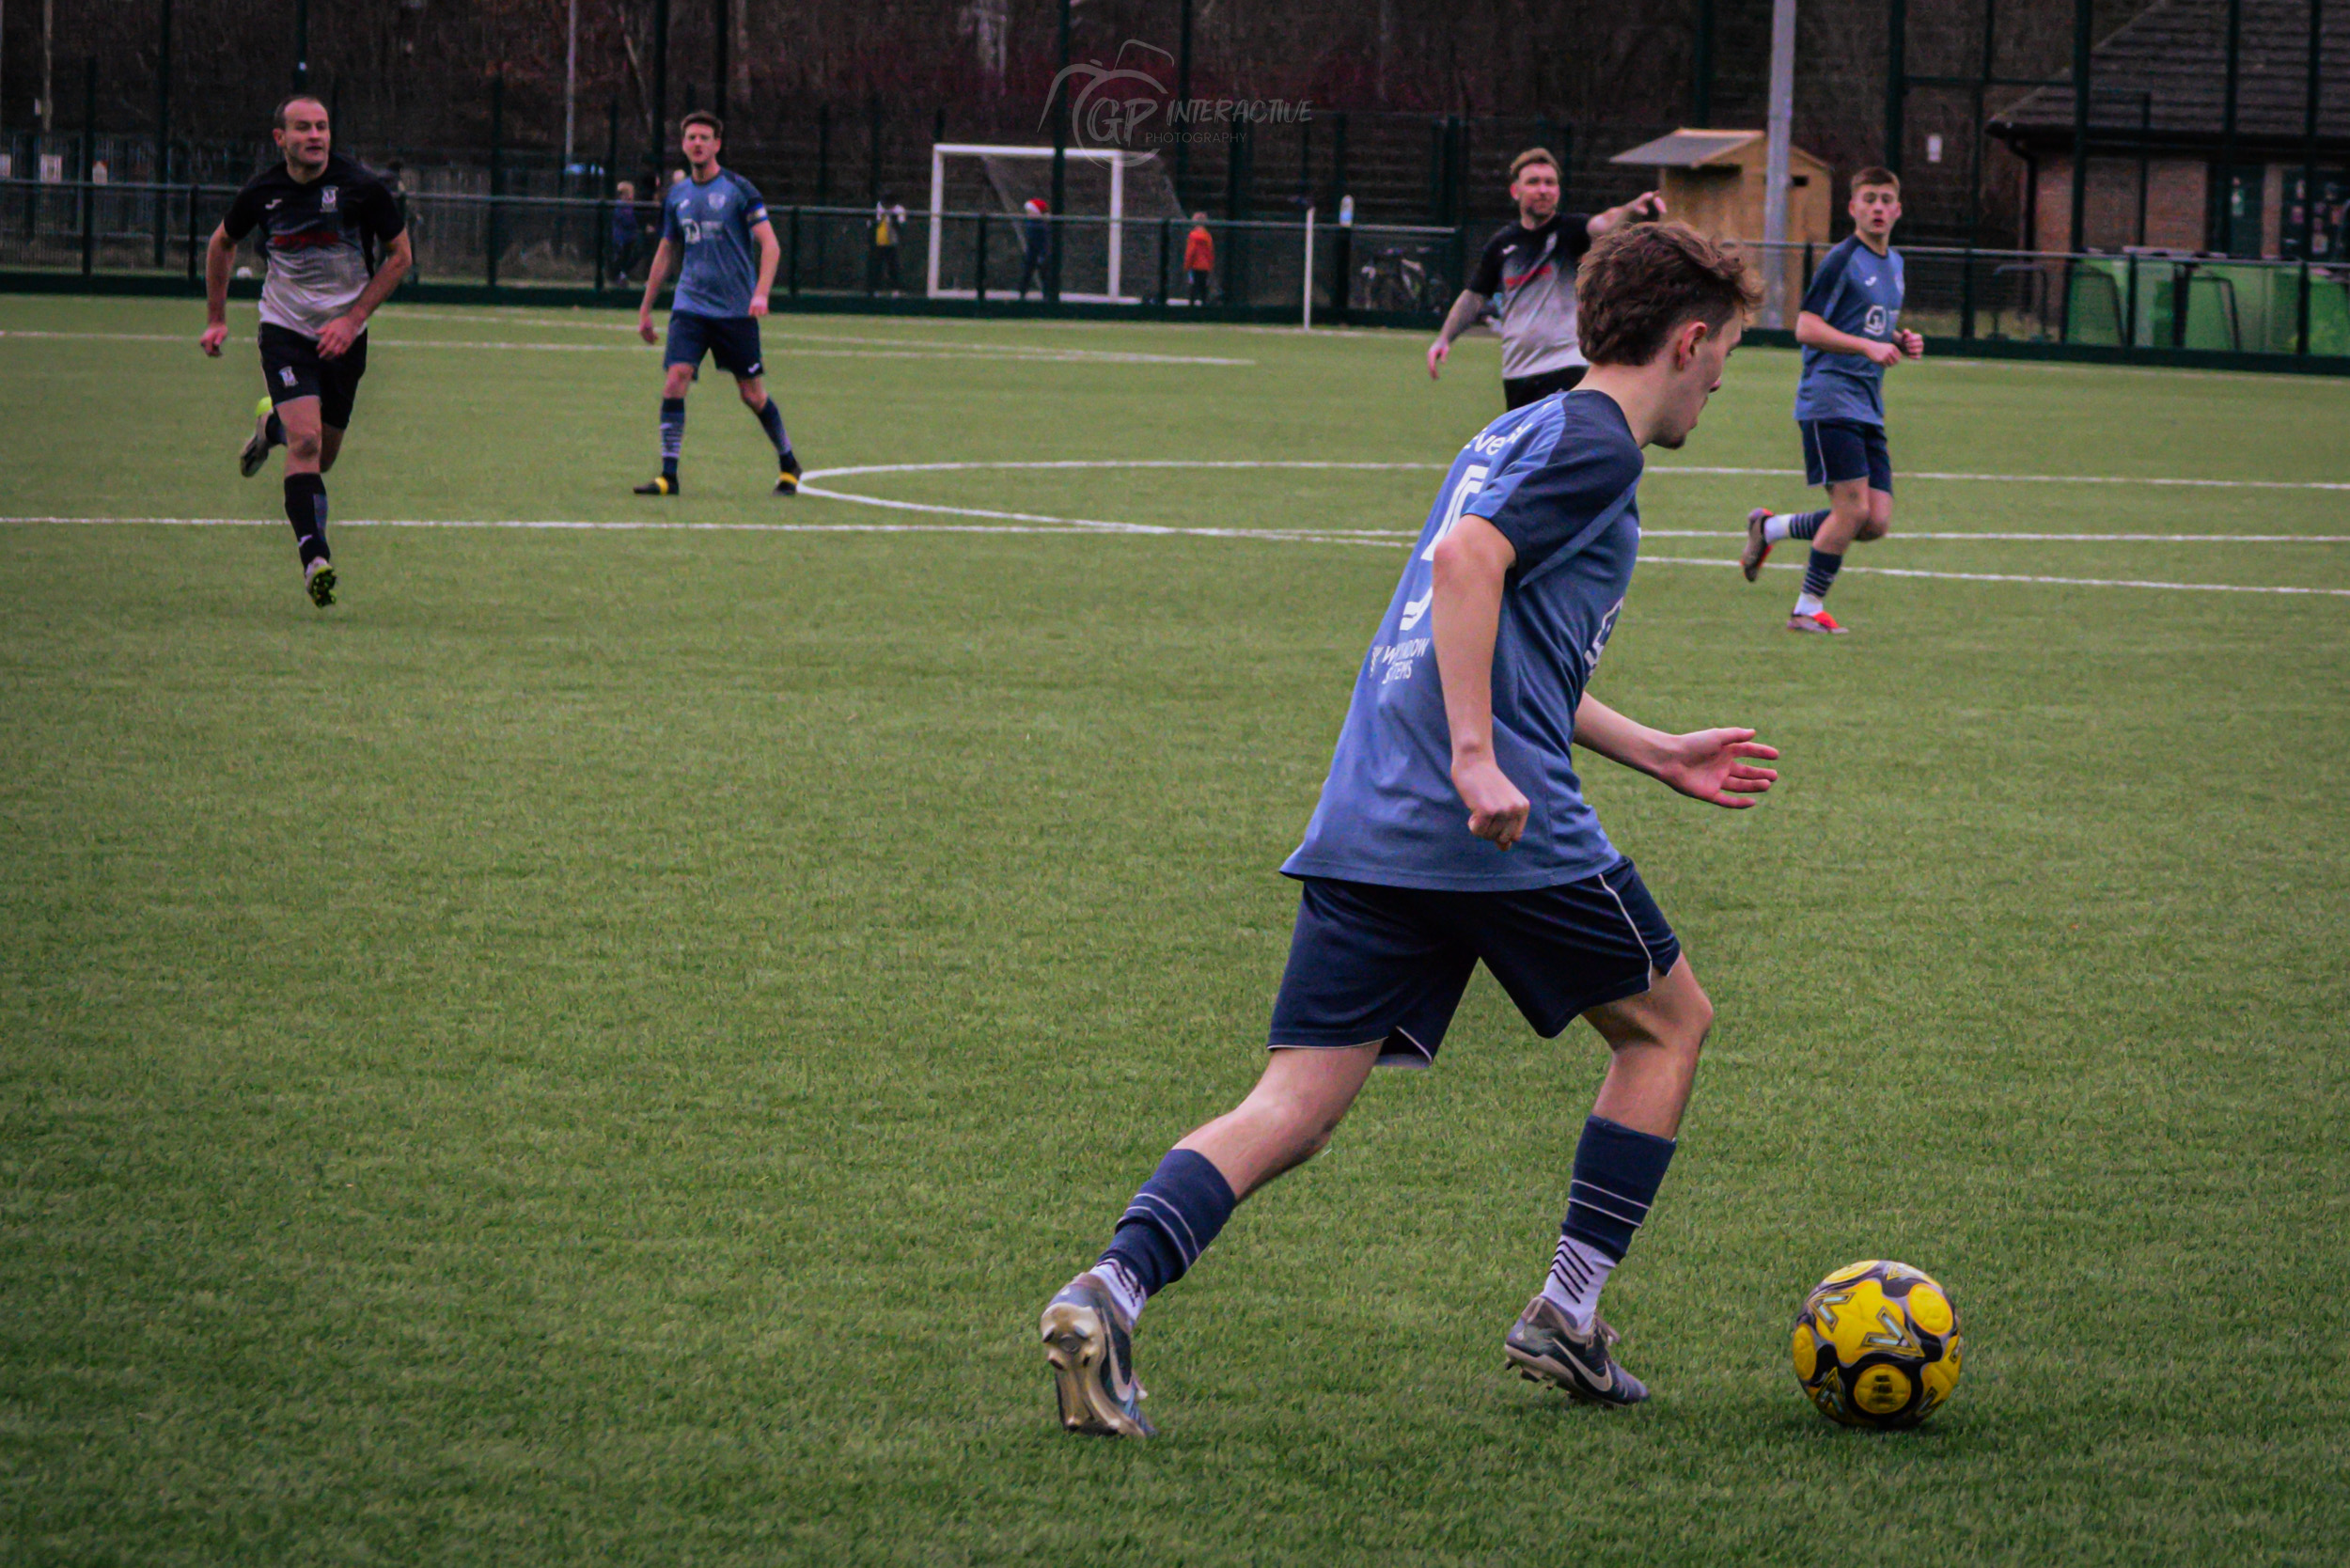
<point x="1497" y="808"/>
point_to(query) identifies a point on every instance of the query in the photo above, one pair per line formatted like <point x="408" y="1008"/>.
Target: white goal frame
<point x="1117" y="157"/>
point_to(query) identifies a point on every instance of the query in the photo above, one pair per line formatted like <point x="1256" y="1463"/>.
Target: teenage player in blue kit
<point x="1851" y="335"/>
<point x="716" y="220"/>
<point x="1452" y="829"/>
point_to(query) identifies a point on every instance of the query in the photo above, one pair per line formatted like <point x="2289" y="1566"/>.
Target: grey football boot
<point x="1091" y="1348"/>
<point x="1544" y="1347"/>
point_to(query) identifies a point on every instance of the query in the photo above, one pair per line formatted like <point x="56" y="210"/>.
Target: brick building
<point x="2166" y="169"/>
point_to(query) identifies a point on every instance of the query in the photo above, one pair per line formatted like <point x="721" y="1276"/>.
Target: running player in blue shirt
<point x="1452" y="829"/>
<point x="1851" y="334"/>
<point x="716" y="220"/>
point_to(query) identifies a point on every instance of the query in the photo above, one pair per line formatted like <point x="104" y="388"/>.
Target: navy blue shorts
<point x="1835" y="450"/>
<point x="1389" y="963"/>
<point x="731" y="340"/>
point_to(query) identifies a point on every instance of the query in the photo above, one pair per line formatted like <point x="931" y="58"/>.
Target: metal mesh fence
<point x="1386" y="273"/>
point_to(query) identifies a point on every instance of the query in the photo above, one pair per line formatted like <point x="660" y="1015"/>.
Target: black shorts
<point x="1389" y="963"/>
<point x="1837" y="451"/>
<point x="1518" y="391"/>
<point x="731" y="340"/>
<point x="292" y="366"/>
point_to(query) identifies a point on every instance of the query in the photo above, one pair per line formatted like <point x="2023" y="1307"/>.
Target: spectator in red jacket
<point x="1199" y="257"/>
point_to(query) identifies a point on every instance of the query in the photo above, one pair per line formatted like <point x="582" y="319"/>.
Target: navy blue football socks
<point x="1171" y="1220"/>
<point x="1820" y="571"/>
<point x="305" y="509"/>
<point x="673" y="434"/>
<point x="1617" y="1172"/>
<point x="1804" y="525"/>
<point x="771" y="420"/>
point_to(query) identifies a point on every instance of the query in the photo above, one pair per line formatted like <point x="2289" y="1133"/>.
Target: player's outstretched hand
<point x="1711" y="765"/>
<point x="1497" y="808"/>
<point x="1913" y="343"/>
<point x="643" y="327"/>
<point x="1438" y="351"/>
<point x="1887" y="355"/>
<point x="1649" y="205"/>
<point x="215" y="334"/>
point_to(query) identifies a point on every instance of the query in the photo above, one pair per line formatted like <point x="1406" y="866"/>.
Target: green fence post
<point x="193" y="197"/>
<point x="497" y="139"/>
<point x="979" y="260"/>
<point x="2301" y="336"/>
<point x="793" y="286"/>
<point x="1967" y="292"/>
<point x="89" y="163"/>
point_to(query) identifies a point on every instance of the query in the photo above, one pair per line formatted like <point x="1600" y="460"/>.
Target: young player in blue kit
<point x="716" y="220"/>
<point x="1452" y="829"/>
<point x="1851" y="335"/>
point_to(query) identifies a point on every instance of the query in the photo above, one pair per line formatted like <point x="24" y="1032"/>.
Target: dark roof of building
<point x="2169" y="63"/>
<point x="1686" y="150"/>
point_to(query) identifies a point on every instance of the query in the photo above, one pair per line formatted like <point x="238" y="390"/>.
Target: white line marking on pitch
<point x="1652" y="470"/>
<point x="789" y="349"/>
<point x="1021" y="523"/>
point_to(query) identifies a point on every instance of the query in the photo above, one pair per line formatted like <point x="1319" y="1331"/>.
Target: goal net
<point x="1118" y="210"/>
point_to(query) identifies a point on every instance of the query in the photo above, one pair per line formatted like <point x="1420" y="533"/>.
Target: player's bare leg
<point x="770" y="417"/>
<point x="1288" y="1119"/>
<point x="1654" y="1040"/>
<point x="1298" y="1101"/>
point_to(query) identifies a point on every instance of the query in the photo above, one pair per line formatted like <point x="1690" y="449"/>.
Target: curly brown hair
<point x="1639" y="282"/>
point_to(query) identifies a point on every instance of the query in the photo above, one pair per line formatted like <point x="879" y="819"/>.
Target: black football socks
<point x="1819" y="573"/>
<point x="1163" y="1231"/>
<point x="673" y="434"/>
<point x="305" y="509"/>
<point x="1617" y="1172"/>
<point x="771" y="420"/>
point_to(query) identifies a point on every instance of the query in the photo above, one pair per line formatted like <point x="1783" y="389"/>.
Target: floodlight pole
<point x="1182" y="102"/>
<point x="1896" y="78"/>
<point x="571" y="77"/>
<point x="1774" y="174"/>
<point x="2082" y="28"/>
<point x="660" y="83"/>
<point x="2227" y="129"/>
<point x="163" y="122"/>
<point x="719" y="68"/>
<point x="1061" y="161"/>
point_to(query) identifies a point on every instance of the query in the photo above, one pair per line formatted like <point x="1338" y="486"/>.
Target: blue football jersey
<point x="1856" y="290"/>
<point x="1560" y="480"/>
<point x="710" y="223"/>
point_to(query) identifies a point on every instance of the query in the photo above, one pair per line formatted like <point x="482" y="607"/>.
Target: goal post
<point x="1109" y="164"/>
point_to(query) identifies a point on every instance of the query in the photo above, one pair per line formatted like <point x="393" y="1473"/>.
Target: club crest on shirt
<point x="326" y="198"/>
<point x="717" y="200"/>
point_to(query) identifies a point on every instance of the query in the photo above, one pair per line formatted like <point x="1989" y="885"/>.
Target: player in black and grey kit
<point x="1527" y="271"/>
<point x="336" y="247"/>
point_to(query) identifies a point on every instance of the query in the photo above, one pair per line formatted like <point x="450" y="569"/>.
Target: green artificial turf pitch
<point x="597" y="1048"/>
